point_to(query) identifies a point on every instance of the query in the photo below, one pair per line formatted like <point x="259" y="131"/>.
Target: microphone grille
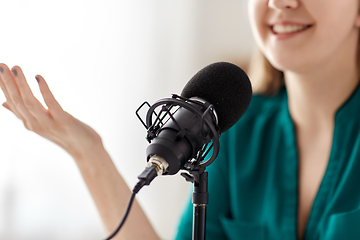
<point x="225" y="86"/>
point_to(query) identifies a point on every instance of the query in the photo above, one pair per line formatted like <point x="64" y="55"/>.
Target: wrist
<point x="91" y="154"/>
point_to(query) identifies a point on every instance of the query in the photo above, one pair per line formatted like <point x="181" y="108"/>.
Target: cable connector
<point x="159" y="164"/>
<point x="156" y="166"/>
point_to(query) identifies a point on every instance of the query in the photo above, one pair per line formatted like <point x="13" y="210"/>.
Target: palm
<point x="53" y="123"/>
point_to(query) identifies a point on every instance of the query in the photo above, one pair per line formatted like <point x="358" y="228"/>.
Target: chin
<point x="287" y="64"/>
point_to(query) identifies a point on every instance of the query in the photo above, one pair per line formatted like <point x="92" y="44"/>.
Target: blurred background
<point x="102" y="59"/>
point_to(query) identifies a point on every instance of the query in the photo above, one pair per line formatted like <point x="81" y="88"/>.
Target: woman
<point x="292" y="161"/>
<point x="287" y="169"/>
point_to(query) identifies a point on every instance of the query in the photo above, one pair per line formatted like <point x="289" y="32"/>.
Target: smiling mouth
<point x="287" y="29"/>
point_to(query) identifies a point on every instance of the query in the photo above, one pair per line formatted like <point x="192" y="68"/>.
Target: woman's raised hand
<point x="107" y="187"/>
<point x="52" y="123"/>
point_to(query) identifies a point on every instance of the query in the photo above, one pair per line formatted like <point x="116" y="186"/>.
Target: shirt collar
<point x="351" y="107"/>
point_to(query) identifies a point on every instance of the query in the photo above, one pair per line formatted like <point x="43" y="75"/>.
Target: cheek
<point x="336" y="24"/>
<point x="335" y="15"/>
<point x="257" y="10"/>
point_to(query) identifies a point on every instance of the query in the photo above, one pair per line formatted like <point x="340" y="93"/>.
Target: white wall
<point x="101" y="59"/>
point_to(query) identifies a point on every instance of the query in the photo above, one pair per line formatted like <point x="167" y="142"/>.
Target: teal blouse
<point x="253" y="184"/>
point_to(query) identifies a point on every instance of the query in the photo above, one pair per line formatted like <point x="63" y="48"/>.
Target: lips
<point x="288" y="28"/>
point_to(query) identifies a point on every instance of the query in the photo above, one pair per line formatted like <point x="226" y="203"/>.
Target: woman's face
<point x="296" y="35"/>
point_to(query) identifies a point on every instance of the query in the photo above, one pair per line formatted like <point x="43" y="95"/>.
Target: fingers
<point x="5" y="74"/>
<point x="22" y="102"/>
<point x="20" y="99"/>
<point x="28" y="99"/>
<point x="53" y="106"/>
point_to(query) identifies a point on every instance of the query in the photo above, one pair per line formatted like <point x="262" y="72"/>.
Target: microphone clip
<point x="163" y="110"/>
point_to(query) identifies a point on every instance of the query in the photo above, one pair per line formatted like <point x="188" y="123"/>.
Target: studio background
<point x="102" y="59"/>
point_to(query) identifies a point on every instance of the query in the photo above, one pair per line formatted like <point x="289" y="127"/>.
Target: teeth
<point x="287" y="28"/>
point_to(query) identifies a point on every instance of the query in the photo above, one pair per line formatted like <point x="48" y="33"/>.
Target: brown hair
<point x="267" y="80"/>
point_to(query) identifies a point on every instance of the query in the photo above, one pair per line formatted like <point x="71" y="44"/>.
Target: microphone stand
<point x="196" y="167"/>
<point x="199" y="178"/>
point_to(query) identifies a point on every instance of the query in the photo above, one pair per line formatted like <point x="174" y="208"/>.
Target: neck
<point x="315" y="97"/>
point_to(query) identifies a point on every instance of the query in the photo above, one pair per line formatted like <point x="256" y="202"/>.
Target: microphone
<point x="211" y="102"/>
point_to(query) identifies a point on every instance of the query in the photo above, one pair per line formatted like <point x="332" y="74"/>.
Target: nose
<point x="283" y="4"/>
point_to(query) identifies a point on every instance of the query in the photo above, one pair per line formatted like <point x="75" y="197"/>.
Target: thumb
<point x="5" y="105"/>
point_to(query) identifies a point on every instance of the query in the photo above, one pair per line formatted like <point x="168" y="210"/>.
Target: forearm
<point x="111" y="196"/>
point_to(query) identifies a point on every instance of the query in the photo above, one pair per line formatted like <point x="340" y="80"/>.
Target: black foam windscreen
<point x="225" y="86"/>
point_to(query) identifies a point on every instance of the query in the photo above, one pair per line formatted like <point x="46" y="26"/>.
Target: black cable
<point x="125" y="216"/>
<point x="144" y="179"/>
